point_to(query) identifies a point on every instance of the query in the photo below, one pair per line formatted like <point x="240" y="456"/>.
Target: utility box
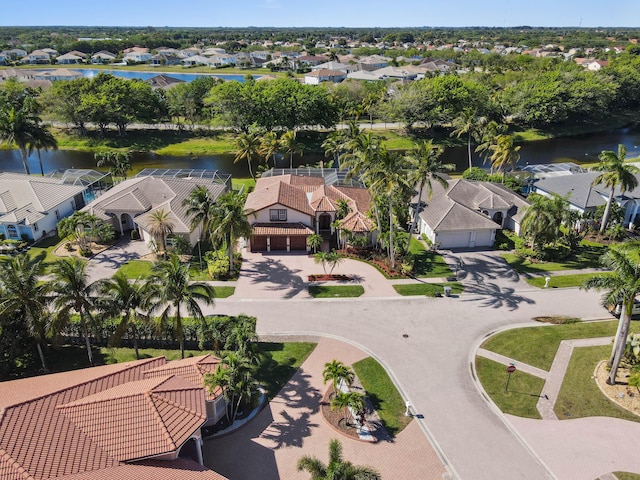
<point x="447" y="291"/>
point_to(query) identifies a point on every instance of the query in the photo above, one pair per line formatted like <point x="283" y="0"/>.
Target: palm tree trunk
<point x="619" y="348"/>
<point x="44" y="363"/>
<point x="412" y="227"/>
<point x="291" y="160"/>
<point x="230" y="252"/>
<point x="616" y="339"/>
<point x="23" y="152"/>
<point x="469" y="149"/>
<point x="607" y="211"/>
<point x="85" y="332"/>
<point x="250" y="171"/>
<point x="392" y="256"/>
<point x="40" y="162"/>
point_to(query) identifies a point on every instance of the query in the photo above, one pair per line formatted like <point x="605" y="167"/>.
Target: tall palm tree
<point x="337" y="468"/>
<point x="160" y="227"/>
<point x="487" y="133"/>
<point x="384" y="178"/>
<point x="229" y="222"/>
<point x="505" y="154"/>
<point x="269" y="147"/>
<point x="614" y="173"/>
<point x="247" y="147"/>
<point x="21" y="127"/>
<point x="200" y="204"/>
<point x="73" y="293"/>
<point x="119" y="163"/>
<point x="542" y="221"/>
<point x="467" y="123"/>
<point x="171" y="292"/>
<point x="336" y="372"/>
<point x="424" y="165"/>
<point x="22" y="292"/>
<point x="621" y="286"/>
<point x="119" y="297"/>
<point x="333" y="146"/>
<point x="42" y="140"/>
<point x="290" y="145"/>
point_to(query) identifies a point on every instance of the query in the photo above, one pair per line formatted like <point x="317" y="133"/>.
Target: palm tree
<point x="24" y="294"/>
<point x="333" y="146"/>
<point x="269" y="147"/>
<point x="200" y="204"/>
<point x="160" y="227"/>
<point x="314" y="242"/>
<point x="614" y="173"/>
<point x="42" y="140"/>
<point x="543" y="219"/>
<point x="467" y="123"/>
<point x="247" y="147"/>
<point x="119" y="163"/>
<point x="119" y="297"/>
<point x="621" y="286"/>
<point x="22" y="128"/>
<point x="332" y="259"/>
<point x="424" y="165"/>
<point x="73" y="293"/>
<point x="290" y="146"/>
<point x="385" y="176"/>
<point x="505" y="154"/>
<point x="171" y="292"/>
<point x="336" y="372"/>
<point x="348" y="400"/>
<point x="229" y="222"/>
<point x="487" y="134"/>
<point x="337" y="468"/>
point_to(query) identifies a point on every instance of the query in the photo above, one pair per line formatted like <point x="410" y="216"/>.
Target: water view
<point x="129" y="74"/>
<point x="579" y="149"/>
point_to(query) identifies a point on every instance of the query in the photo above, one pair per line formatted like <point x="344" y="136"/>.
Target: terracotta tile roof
<point x="179" y="469"/>
<point x="280" y="229"/>
<point x="192" y="369"/>
<point x="37" y="440"/>
<point x="278" y="193"/>
<point x="359" y="196"/>
<point x="140" y="419"/>
<point x="357" y="222"/>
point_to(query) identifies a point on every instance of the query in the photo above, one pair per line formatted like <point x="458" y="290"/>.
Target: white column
<point x="199" y="450"/>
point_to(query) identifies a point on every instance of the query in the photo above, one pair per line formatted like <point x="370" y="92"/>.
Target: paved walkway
<point x="106" y="263"/>
<point x="292" y="426"/>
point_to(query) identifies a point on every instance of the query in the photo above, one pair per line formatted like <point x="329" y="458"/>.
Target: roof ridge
<point x="9" y="460"/>
<point x="149" y="397"/>
<point x="453" y="204"/>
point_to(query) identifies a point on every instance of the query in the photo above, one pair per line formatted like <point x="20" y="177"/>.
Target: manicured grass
<point x="627" y="476"/>
<point x="136" y="269"/>
<point x="563" y="281"/>
<point x="522" y="395"/>
<point x="587" y="256"/>
<point x="248" y="184"/>
<point x="122" y="354"/>
<point x="580" y="396"/>
<point x="335" y="291"/>
<point x="278" y="363"/>
<point x="537" y="346"/>
<point x="45" y="248"/>
<point x="223" y="292"/>
<point x="428" y="289"/>
<point x="395" y="141"/>
<point x="383" y="395"/>
<point x="428" y="264"/>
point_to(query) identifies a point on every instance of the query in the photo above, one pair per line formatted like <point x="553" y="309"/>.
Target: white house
<point x="37" y="56"/>
<point x="318" y="76"/>
<point x="69" y="58"/>
<point x="468" y="213"/>
<point x="31" y="206"/>
<point x="103" y="57"/>
<point x="137" y="57"/>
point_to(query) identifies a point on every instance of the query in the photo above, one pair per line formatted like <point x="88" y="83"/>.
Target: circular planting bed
<point x="325" y="277"/>
<point x="621" y="393"/>
<point x="336" y="419"/>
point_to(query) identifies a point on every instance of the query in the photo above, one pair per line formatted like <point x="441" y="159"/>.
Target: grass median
<point x="428" y="289"/>
<point x="335" y="291"/>
<point x="563" y="281"/>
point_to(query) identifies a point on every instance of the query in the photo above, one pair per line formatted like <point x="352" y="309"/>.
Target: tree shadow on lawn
<point x="492" y="295"/>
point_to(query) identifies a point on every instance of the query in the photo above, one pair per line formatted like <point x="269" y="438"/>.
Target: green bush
<point x="217" y="264"/>
<point x="475" y="173"/>
<point x="135" y="234"/>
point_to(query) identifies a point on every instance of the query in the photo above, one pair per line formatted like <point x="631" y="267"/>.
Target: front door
<point x="325" y="222"/>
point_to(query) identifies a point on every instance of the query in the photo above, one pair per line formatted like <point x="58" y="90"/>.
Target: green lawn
<point x="278" y="363"/>
<point x="136" y="269"/>
<point x="580" y="396"/>
<point x="395" y="141"/>
<point x="587" y="256"/>
<point x="537" y="346"/>
<point x="627" y="476"/>
<point x="335" y="291"/>
<point x="248" y="184"/>
<point x="428" y="264"/>
<point x="223" y="292"/>
<point x="562" y="281"/>
<point x="45" y="248"/>
<point x="428" y="289"/>
<point x="524" y="389"/>
<point x="383" y="395"/>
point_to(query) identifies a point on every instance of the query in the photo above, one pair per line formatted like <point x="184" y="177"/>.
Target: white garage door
<point x="465" y="239"/>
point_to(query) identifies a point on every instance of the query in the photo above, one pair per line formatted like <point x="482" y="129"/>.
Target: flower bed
<point x="375" y="258"/>
<point x="325" y="277"/>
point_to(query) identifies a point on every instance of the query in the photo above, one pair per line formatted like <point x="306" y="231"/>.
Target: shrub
<point x="475" y="173"/>
<point x="217" y="264"/>
<point x="86" y="252"/>
<point x="135" y="235"/>
<point x="68" y="246"/>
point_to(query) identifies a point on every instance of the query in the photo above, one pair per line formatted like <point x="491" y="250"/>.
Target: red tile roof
<point x="192" y="369"/>
<point x="180" y="468"/>
<point x="280" y="229"/>
<point x="278" y="193"/>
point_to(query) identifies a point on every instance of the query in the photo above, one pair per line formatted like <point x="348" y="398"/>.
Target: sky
<point x="323" y="13"/>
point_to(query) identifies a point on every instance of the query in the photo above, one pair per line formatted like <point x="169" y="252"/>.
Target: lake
<point x="579" y="149"/>
<point x="130" y="74"/>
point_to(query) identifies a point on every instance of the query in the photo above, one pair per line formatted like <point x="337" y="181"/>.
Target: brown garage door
<point x="278" y="243"/>
<point x="258" y="243"/>
<point x="298" y="242"/>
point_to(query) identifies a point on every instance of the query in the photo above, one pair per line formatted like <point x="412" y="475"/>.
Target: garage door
<point x="278" y="243"/>
<point x="258" y="243"/>
<point x="298" y="243"/>
<point x="454" y="239"/>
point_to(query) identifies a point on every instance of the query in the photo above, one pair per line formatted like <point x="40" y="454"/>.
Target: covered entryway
<point x="324" y="222"/>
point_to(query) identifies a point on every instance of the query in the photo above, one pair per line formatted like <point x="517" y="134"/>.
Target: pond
<point x="130" y="74"/>
<point x="579" y="149"/>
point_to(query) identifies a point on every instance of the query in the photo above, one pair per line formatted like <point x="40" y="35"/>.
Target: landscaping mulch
<point x="621" y="393"/>
<point x="329" y="277"/>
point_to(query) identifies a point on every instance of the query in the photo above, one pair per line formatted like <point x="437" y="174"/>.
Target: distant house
<point x="128" y="421"/>
<point x="57" y="74"/>
<point x="318" y="76"/>
<point x="31" y="206"/>
<point x="69" y="58"/>
<point x="137" y="57"/>
<point x="377" y="61"/>
<point x="163" y="81"/>
<point x="103" y="57"/>
<point x="285" y="209"/>
<point x="36" y="57"/>
<point x="165" y="59"/>
<point x="222" y="59"/>
<point x="4" y="58"/>
<point x="468" y="213"/>
<point x="311" y="60"/>
<point x="131" y="204"/>
<point x="342" y="67"/>
<point x="16" y="53"/>
<point x="197" y="60"/>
